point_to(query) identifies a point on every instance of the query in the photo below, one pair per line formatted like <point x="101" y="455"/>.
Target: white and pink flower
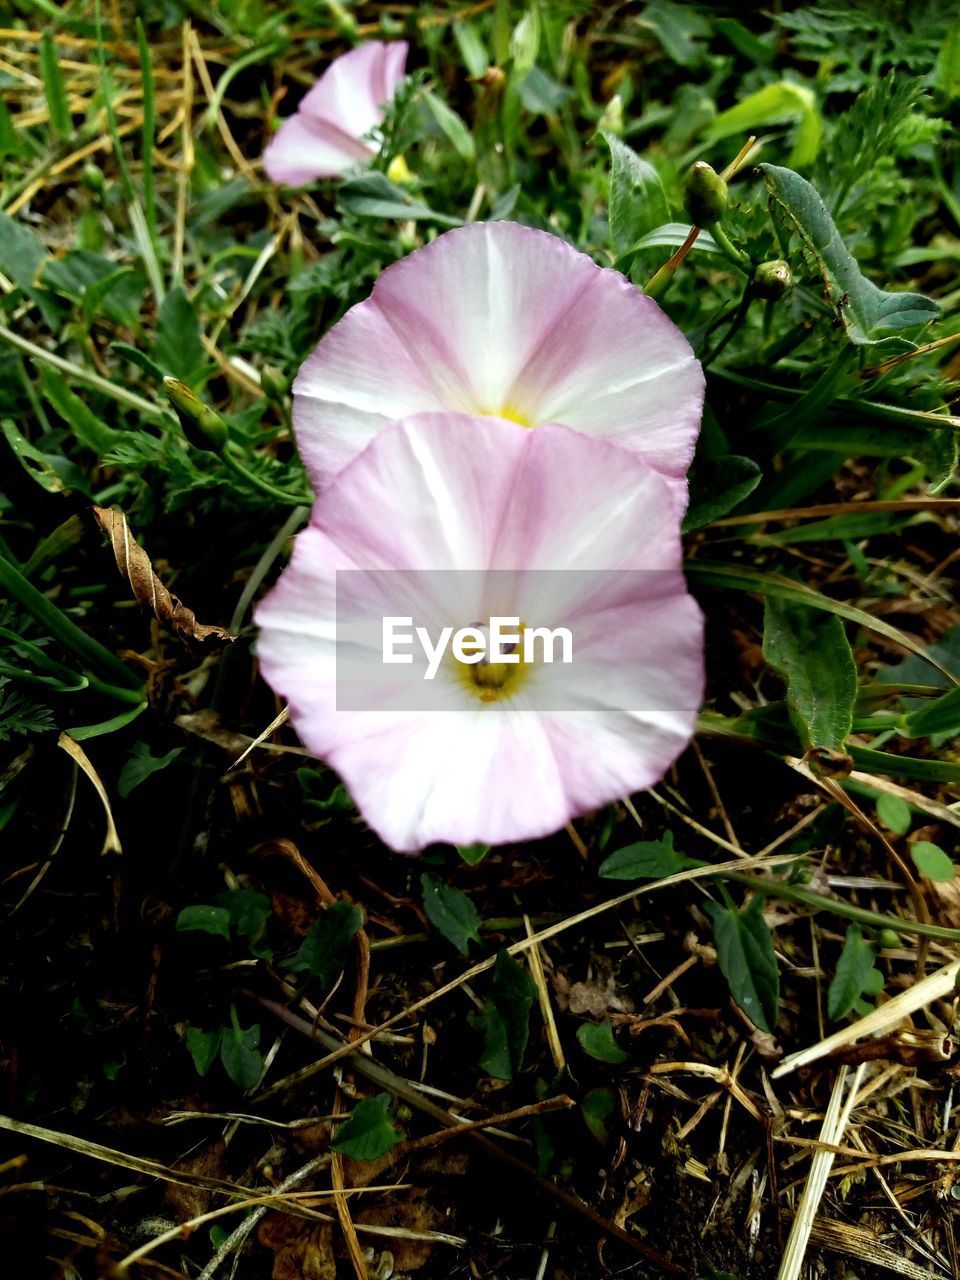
<point x="500" y="320"/>
<point x="450" y="498"/>
<point x="328" y="133"/>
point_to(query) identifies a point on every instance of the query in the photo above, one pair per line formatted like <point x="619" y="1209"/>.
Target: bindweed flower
<point x="499" y="320"/>
<point x="327" y="134"/>
<point x="454" y="524"/>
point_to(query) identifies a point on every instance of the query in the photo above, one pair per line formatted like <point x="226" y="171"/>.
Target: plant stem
<point x="279" y="495"/>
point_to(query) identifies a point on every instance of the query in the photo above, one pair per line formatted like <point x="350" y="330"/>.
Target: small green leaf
<point x="451" y="125"/>
<point x="450" y="911"/>
<point x="473" y="853"/>
<point x="505" y="1019"/>
<point x="373" y="195"/>
<point x="249" y="912"/>
<point x="747" y="960"/>
<point x="637" y="203"/>
<point x="597" y="1108"/>
<point x="774" y="104"/>
<point x="240" y="1054"/>
<point x="203" y="1046"/>
<point x="323" y="951"/>
<point x="368" y="1133"/>
<point x="931" y="861"/>
<point x="811" y="651"/>
<point x="204" y="919"/>
<point x="942" y="715"/>
<point x="856" y="975"/>
<point x="868" y="313"/>
<point x="717" y="485"/>
<point x="894" y="813"/>
<point x="141" y="765"/>
<point x="596" y="1039"/>
<point x="646" y="860"/>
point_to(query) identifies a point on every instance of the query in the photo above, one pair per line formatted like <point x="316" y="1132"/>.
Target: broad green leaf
<point x="472" y="854"/>
<point x="450" y="911"/>
<point x="204" y="919"/>
<point x="21" y="251"/>
<point x="367" y="1134"/>
<point x="746" y="958"/>
<point x="679" y="29"/>
<point x="645" y="860"/>
<point x="717" y="485"/>
<point x="868" y="313"/>
<point x="596" y="1039"/>
<point x="203" y="1046"/>
<point x="597" y="1108"/>
<point x="637" y="203"/>
<point x="931" y="861"/>
<point x="323" y="951"/>
<point x="140" y="765"/>
<point x="811" y="652"/>
<point x="505" y="1019"/>
<point x="240" y="1054"/>
<point x="472" y="49"/>
<point x="856" y="975"/>
<point x="178" y="350"/>
<point x="894" y="813"/>
<point x="775" y="104"/>
<point x="669" y="236"/>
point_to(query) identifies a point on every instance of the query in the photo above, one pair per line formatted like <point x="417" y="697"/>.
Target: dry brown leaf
<point x="134" y="563"/>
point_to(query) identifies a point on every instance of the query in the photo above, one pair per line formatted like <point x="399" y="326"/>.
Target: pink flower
<point x="499" y="320"/>
<point x="424" y="518"/>
<point x="326" y="135"/>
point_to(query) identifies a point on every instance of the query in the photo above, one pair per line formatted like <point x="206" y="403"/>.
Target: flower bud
<point x="889" y="939"/>
<point x="202" y="426"/>
<point x="705" y="198"/>
<point x="772" y="279"/>
<point x="274" y="384"/>
<point x="93" y="177"/>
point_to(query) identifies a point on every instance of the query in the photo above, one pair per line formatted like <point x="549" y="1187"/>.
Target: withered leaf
<point x="134" y="563"/>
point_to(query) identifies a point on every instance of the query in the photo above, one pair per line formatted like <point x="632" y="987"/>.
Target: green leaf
<point x="811" y="652"/>
<point x="597" y="1108"/>
<point x="204" y="919"/>
<point x="868" y="313"/>
<point x="53" y="87"/>
<point x="21" y="252"/>
<point x="240" y="1055"/>
<point x="856" y="975"/>
<point x="451" y="125"/>
<point x="746" y="958"/>
<point x="939" y="716"/>
<point x="505" y="1019"/>
<point x="473" y="853"/>
<point x="931" y="861"/>
<point x="81" y="420"/>
<point x="775" y="104"/>
<point x="894" y="813"/>
<point x="948" y="64"/>
<point x="637" y="203"/>
<point x="367" y="1134"/>
<point x="203" y="1046"/>
<point x="178" y="350"/>
<point x="323" y="951"/>
<point x="717" y="485"/>
<point x="596" y="1039"/>
<point x="373" y="195"/>
<point x="646" y="860"/>
<point x="141" y="765"/>
<point x="249" y="912"/>
<point x="450" y="911"/>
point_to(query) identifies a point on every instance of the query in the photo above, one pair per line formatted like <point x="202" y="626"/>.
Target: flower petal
<point x="327" y="134"/>
<point x="449" y="492"/>
<point x="502" y="320"/>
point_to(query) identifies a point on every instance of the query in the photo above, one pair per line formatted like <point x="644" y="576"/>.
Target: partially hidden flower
<point x="450" y="520"/>
<point x="327" y="133"/>
<point x="500" y="320"/>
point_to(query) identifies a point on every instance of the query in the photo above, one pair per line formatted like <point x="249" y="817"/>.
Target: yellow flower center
<point x="492" y="681"/>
